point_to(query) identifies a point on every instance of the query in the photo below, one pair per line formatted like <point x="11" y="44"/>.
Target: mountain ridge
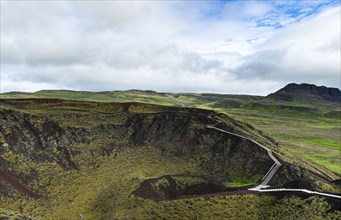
<point x="307" y="93"/>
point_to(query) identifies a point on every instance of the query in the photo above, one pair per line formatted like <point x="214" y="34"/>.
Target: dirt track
<point x="16" y="184"/>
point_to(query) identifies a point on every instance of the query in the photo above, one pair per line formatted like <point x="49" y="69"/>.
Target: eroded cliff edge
<point x="37" y="134"/>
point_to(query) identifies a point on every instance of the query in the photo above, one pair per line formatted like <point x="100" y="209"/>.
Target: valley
<point x="100" y="160"/>
<point x="170" y="110"/>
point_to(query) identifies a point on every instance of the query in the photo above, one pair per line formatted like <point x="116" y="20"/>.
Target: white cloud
<point x="245" y="10"/>
<point x="306" y="51"/>
<point x="165" y="46"/>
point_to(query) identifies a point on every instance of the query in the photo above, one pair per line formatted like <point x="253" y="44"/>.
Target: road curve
<point x="262" y="187"/>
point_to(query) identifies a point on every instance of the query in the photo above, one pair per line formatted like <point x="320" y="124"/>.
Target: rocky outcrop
<point x="169" y="187"/>
<point x="74" y="134"/>
<point x="39" y="139"/>
<point x="172" y="133"/>
<point x="308" y="93"/>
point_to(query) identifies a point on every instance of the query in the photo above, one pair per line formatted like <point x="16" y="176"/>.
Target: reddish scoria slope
<point x="16" y="184"/>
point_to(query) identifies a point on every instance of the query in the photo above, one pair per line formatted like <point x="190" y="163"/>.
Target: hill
<point x="308" y="93"/>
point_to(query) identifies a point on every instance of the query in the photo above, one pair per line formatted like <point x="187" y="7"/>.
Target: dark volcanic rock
<point x="299" y="184"/>
<point x="308" y="93"/>
<point x="158" y="189"/>
<point x="166" y="187"/>
<point x="337" y="182"/>
<point x="45" y="136"/>
<point x="36" y="142"/>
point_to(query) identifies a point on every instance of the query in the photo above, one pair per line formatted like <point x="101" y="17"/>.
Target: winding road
<point x="263" y="186"/>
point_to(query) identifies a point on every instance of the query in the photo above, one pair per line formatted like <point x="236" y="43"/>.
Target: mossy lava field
<point x="63" y="159"/>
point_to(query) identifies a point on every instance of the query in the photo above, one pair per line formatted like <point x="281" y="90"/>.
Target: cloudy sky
<point x="236" y="47"/>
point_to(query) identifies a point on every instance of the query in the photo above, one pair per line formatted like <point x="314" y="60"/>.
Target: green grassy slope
<point x="309" y="131"/>
<point x="102" y="186"/>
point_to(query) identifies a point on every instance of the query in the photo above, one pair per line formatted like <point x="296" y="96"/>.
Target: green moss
<point x="102" y="188"/>
<point x="188" y="180"/>
<point x="19" y="163"/>
<point x="9" y="215"/>
<point x="237" y="178"/>
<point x="2" y="138"/>
<point x="296" y="208"/>
<point x="71" y="193"/>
